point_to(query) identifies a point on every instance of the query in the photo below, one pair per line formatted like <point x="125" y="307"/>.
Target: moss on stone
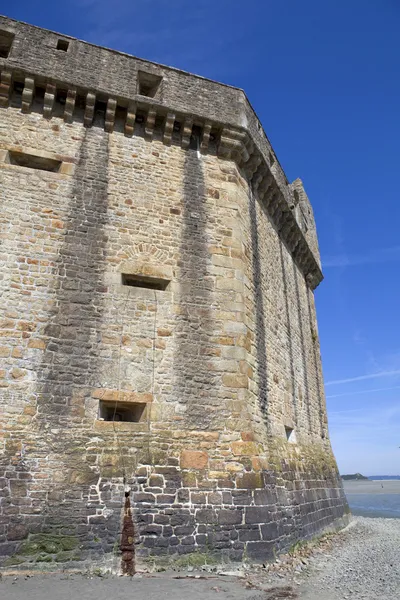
<point x="13" y="561"/>
<point x="43" y="543"/>
<point x="196" y="559"/>
<point x="44" y="558"/>
<point x="64" y="556"/>
<point x="315" y="459"/>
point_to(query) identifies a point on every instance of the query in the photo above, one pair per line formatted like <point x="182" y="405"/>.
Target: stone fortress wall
<point x="161" y="386"/>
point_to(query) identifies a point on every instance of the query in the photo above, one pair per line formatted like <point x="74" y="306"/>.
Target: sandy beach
<point x="381" y="486"/>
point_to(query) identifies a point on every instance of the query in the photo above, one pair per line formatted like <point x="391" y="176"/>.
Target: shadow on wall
<point x="317" y="369"/>
<point x="195" y="385"/>
<point x="69" y="362"/>
<point x="307" y="398"/>
<point x="261" y="338"/>
<point x="289" y="332"/>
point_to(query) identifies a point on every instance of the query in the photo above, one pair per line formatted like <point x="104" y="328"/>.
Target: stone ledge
<point x="111" y="426"/>
<point x="67" y="163"/>
<point x="121" y="396"/>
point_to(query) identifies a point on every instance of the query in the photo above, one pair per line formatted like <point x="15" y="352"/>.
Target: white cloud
<point x="362" y="392"/>
<point x="364" y="377"/>
<point x="380" y="255"/>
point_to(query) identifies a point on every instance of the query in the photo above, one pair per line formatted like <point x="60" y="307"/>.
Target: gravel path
<point x="360" y="563"/>
<point x="364" y="564"/>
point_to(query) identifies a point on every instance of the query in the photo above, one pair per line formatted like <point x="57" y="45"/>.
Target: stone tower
<point x="161" y="387"/>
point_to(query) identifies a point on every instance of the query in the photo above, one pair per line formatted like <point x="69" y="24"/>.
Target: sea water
<point x="374" y="498"/>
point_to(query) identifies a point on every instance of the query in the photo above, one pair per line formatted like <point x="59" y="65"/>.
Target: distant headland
<point x="354" y="477"/>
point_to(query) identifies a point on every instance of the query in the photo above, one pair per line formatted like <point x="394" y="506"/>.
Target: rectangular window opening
<point x="148" y="84"/>
<point x="128" y="412"/>
<point x="38" y="99"/>
<point x="61" y="97"/>
<point x="141" y="281"/>
<point x="6" y="40"/>
<point x="195" y="137"/>
<point x="62" y="45"/>
<point x="32" y="161"/>
<point x="290" y="435"/>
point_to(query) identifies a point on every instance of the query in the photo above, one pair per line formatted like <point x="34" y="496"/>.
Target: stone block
<point x="269" y="531"/>
<point x="143" y="498"/>
<point x="256" y="514"/>
<point x="249" y="535"/>
<point x="188" y="541"/>
<point x="183" y="495"/>
<point x="198" y="498"/>
<point x="151" y="529"/>
<point x="241" y="498"/>
<point x="201" y="539"/>
<point x="245" y="448"/>
<point x="230" y="516"/>
<point x="165" y="499"/>
<point x="37" y="343"/>
<point x="18" y="531"/>
<point x="249" y="481"/>
<point x="193" y="459"/>
<point x="206" y="515"/>
<point x="264" y="496"/>
<point x="260" y="551"/>
<point x="184" y="530"/>
<point x="235" y="380"/>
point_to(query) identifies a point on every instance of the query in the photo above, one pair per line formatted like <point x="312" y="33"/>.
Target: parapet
<point x="62" y="69"/>
<point x="305" y="217"/>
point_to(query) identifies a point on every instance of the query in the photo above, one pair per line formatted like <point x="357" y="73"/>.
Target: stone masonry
<point x="161" y="387"/>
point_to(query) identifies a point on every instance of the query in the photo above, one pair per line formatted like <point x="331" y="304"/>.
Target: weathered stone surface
<point x="192" y="459"/>
<point x="230" y="517"/>
<point x="158" y="330"/>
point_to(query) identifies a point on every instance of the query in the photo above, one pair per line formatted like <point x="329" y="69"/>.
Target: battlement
<point x="60" y="75"/>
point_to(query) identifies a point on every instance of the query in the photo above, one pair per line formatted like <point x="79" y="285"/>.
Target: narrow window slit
<point x="148" y="84"/>
<point x="127" y="412"/>
<point x="6" y="40"/>
<point x="32" y="161"/>
<point x="141" y="281"/>
<point x="61" y="97"/>
<point x="62" y="45"/>
<point x="290" y="435"/>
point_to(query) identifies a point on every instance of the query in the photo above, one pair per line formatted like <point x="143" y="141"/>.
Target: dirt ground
<point x="360" y="563"/>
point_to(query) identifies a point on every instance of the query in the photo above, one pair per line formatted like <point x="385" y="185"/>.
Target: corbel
<point x="89" y="109"/>
<point x="187" y="132"/>
<point x="49" y="98"/>
<point x="251" y="166"/>
<point x="69" y="105"/>
<point x="266" y="187"/>
<point x="205" y="136"/>
<point x="27" y="94"/>
<point x="110" y="115"/>
<point x="168" y="127"/>
<point x="5" y="84"/>
<point x="258" y="177"/>
<point x="150" y="123"/>
<point x="232" y="144"/>
<point x="130" y="118"/>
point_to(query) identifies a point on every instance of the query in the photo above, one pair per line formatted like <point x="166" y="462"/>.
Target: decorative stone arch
<point x="145" y="259"/>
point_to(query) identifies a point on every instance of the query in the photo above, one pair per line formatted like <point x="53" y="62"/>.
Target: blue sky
<point x="324" y="80"/>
